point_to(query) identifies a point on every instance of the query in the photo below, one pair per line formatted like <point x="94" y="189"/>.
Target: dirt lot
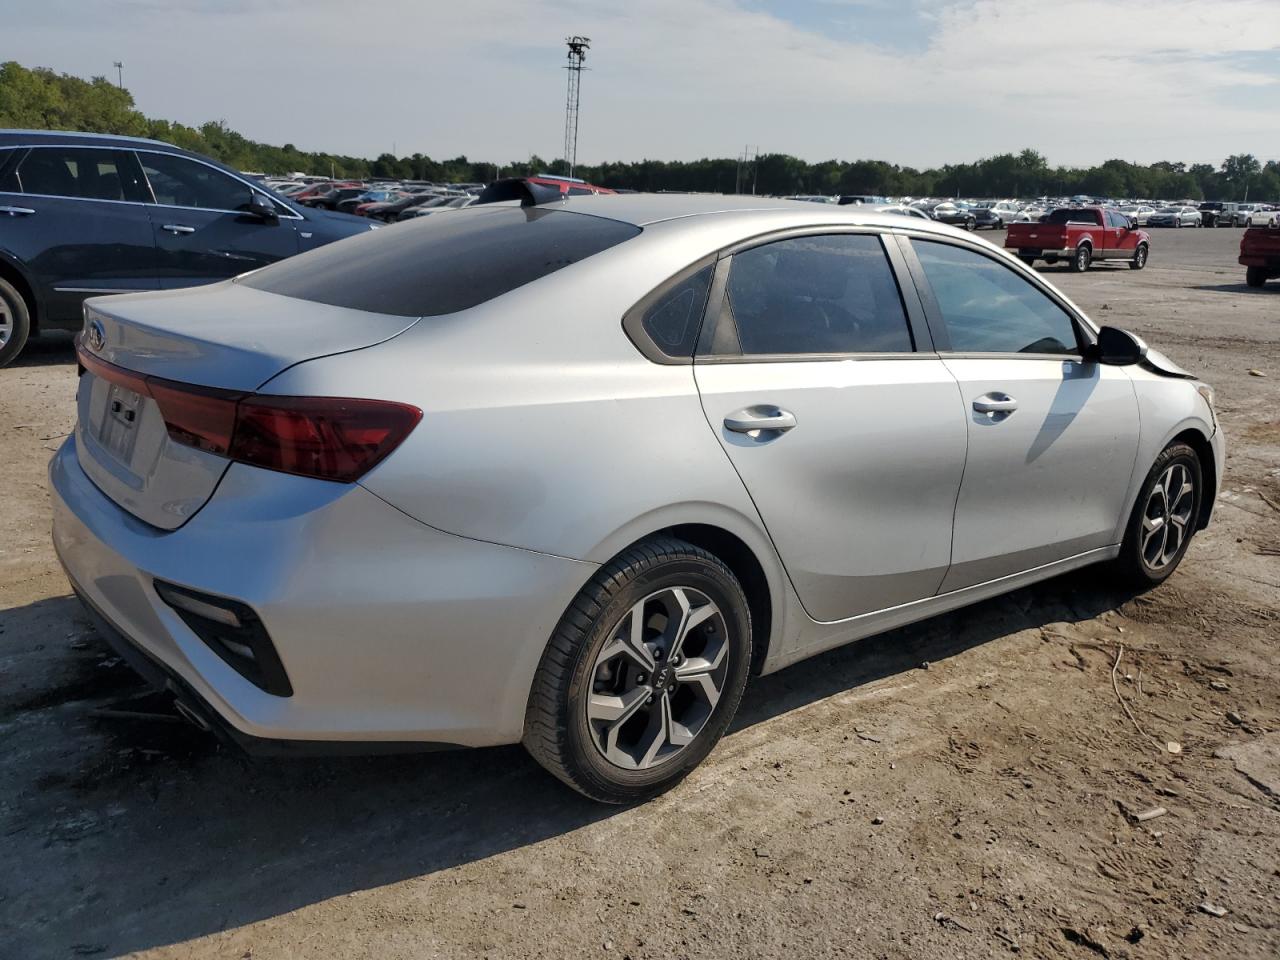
<point x="954" y="789"/>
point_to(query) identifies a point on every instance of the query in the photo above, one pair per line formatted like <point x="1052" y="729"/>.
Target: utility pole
<point x="119" y="73"/>
<point x="578" y="47"/>
<point x="750" y="155"/>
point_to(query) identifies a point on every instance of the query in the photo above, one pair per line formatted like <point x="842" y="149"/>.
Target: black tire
<point x="970" y="224"/>
<point x="16" y="318"/>
<point x="1139" y="257"/>
<point x="1255" y="276"/>
<point x="1082" y="258"/>
<point x="1178" y="223"/>
<point x="1132" y="565"/>
<point x="1029" y="261"/>
<point x="557" y="731"/>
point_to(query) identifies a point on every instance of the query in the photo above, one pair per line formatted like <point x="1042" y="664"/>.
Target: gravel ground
<point x="961" y="788"/>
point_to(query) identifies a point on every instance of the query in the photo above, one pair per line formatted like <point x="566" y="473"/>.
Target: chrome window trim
<point x="913" y="314"/>
<point x="1084" y="326"/>
<point x="139" y="203"/>
<point x="102" y="289"/>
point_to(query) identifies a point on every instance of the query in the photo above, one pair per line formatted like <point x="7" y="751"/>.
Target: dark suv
<point x="84" y="214"/>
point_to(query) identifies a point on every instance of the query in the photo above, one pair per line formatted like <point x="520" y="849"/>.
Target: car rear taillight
<point x="329" y="438"/>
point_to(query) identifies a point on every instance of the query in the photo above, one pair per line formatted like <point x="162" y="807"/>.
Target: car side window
<point x="988" y="308"/>
<point x="8" y="172"/>
<point x="179" y="182"/>
<point x="673" y="320"/>
<point x="832" y="293"/>
<point x="85" y="173"/>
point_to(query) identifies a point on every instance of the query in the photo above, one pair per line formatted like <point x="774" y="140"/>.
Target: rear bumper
<point x="1271" y="262"/>
<point x="390" y="631"/>
<point x="1040" y="252"/>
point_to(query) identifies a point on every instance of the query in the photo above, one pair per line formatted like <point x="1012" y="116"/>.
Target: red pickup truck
<point x="1260" y="254"/>
<point x="1080" y="235"/>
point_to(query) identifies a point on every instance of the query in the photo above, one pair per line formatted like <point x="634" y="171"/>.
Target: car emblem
<point x="97" y="336"/>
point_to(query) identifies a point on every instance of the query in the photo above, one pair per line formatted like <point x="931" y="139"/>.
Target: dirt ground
<point x="962" y="788"/>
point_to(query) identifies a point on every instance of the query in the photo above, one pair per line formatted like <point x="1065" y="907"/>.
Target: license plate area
<point x="118" y="428"/>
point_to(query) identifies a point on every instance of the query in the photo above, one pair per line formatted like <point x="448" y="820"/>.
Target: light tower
<point x="578" y="47"/>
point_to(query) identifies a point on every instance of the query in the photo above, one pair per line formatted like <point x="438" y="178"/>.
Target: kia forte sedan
<point x="570" y="473"/>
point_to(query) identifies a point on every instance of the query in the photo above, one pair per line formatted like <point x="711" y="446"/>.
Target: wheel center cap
<point x="662" y="677"/>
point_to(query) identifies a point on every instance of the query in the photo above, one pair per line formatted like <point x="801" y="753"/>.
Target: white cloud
<point x="1081" y="80"/>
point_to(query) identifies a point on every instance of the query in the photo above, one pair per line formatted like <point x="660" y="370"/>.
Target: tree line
<point x="40" y="98"/>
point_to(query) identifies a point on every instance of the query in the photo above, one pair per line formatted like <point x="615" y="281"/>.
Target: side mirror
<point x="261" y="207"/>
<point x="1118" y="348"/>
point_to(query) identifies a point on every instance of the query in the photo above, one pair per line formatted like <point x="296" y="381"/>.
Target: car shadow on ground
<point x="48" y="349"/>
<point x="1241" y="287"/>
<point x="146" y="833"/>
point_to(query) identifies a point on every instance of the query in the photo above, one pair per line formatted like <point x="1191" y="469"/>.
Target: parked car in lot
<point x="954" y="214"/>
<point x="84" y="214"/>
<point x="1260" y="254"/>
<point x="900" y="210"/>
<point x="330" y="199"/>
<point x="1139" y="213"/>
<point x="426" y="209"/>
<point x="1215" y="213"/>
<point x="1262" y="216"/>
<point x="378" y="501"/>
<point x="986" y="217"/>
<point x="1175" y="217"/>
<point x="1080" y="236"/>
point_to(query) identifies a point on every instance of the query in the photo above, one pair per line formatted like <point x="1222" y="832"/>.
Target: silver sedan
<point x="570" y="472"/>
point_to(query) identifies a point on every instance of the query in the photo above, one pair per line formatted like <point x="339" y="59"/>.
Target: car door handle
<point x="995" y="403"/>
<point x="17" y="211"/>
<point x="762" y="417"/>
<point x="178" y="228"/>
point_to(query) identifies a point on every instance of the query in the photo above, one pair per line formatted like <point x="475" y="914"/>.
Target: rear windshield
<point x="442" y="264"/>
<point x="1073" y="215"/>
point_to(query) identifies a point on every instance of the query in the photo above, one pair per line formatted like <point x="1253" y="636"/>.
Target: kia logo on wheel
<point x="97" y="336"/>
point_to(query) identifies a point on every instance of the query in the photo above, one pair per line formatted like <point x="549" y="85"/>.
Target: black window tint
<point x="179" y="182"/>
<point x="825" y="294"/>
<point x="9" y="172"/>
<point x="579" y="192"/>
<point x="82" y="172"/>
<point x="988" y="308"/>
<point x="1072" y="215"/>
<point x="442" y="264"/>
<point x="674" y="319"/>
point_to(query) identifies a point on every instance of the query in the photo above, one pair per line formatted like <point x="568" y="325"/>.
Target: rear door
<point x="844" y="426"/>
<point x="1052" y="437"/>
<point x="74" y="216"/>
<point x="202" y="232"/>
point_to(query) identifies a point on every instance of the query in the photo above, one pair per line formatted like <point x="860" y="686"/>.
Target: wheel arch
<point x="746" y="550"/>
<point x="11" y="269"/>
<point x="1198" y="442"/>
<point x="740" y="559"/>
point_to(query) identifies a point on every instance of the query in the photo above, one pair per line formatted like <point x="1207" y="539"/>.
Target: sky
<point x="913" y="82"/>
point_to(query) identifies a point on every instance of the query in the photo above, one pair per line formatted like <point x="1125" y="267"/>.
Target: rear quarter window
<point x="442" y="264"/>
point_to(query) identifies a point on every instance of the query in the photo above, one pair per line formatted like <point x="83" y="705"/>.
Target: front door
<point x="850" y="442"/>
<point x="74" y="216"/>
<point x="202" y="231"/>
<point x="1052" y="437"/>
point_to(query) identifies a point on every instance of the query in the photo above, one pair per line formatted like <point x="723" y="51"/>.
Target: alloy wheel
<point x="6" y="323"/>
<point x="1166" y="520"/>
<point x="657" y="680"/>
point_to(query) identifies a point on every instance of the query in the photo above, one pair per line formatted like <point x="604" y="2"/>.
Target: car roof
<point x="644" y="209"/>
<point x="10" y="137"/>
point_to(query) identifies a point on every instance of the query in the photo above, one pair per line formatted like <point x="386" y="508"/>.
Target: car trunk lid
<point x="229" y="339"/>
